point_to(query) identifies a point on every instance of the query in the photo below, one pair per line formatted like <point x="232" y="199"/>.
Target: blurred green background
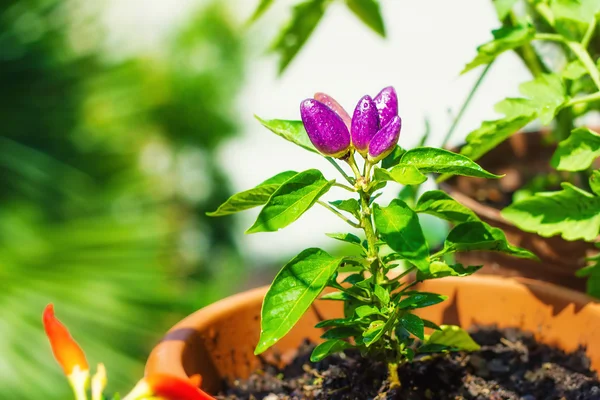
<point x="106" y="171"/>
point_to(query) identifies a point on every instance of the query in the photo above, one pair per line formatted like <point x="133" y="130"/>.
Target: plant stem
<point x="352" y="163"/>
<point x="585" y="42"/>
<point x="393" y="375"/>
<point x="339" y="214"/>
<point x="348" y="188"/>
<point x="583" y="99"/>
<point x="465" y="104"/>
<point x="341" y="171"/>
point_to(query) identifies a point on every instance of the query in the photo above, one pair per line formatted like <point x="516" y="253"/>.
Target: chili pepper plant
<point x="380" y="302"/>
<point x="557" y="41"/>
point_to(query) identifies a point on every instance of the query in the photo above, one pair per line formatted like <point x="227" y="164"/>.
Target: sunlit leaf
<point x="453" y="337"/>
<point x="292" y="292"/>
<point x="292" y="199"/>
<point x="292" y="131"/>
<point x="578" y="151"/>
<point x="327" y="348"/>
<point x="572" y="213"/>
<point x="369" y="12"/>
<point x="429" y="159"/>
<point x="441" y="205"/>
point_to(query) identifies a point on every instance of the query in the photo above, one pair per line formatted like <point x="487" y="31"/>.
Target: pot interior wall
<point x="218" y="341"/>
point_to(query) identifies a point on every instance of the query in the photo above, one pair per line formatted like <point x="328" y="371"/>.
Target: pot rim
<point x="169" y="351"/>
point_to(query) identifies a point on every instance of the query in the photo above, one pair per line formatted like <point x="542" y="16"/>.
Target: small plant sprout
<point x="381" y="300"/>
<point x="72" y="360"/>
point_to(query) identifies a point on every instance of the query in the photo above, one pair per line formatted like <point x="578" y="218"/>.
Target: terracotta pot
<point x="218" y="341"/>
<point x="521" y="158"/>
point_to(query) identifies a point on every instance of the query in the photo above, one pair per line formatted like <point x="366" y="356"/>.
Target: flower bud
<point x="335" y="106"/>
<point x="325" y="128"/>
<point x="387" y="105"/>
<point x="365" y="124"/>
<point x="66" y="351"/>
<point x="167" y="387"/>
<point x="385" y="140"/>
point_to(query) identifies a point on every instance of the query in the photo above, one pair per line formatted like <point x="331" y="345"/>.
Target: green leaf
<point x="430" y="159"/>
<point x="578" y="151"/>
<point x="345" y="237"/>
<point x="366" y="310"/>
<point x="354" y="278"/>
<point x="574" y="70"/>
<point x="263" y="6"/>
<point x="336" y="322"/>
<point x="375" y="330"/>
<point x="253" y="197"/>
<point x="305" y="18"/>
<point x="507" y="38"/>
<point x="291" y="200"/>
<point x="572" y="213"/>
<point x="337" y="296"/>
<point x="404" y="175"/>
<point x="292" y="131"/>
<point x="592" y="272"/>
<point x="433" y="348"/>
<point x="414" y="325"/>
<point x="382" y="294"/>
<point x="476" y="235"/>
<point x="547" y="93"/>
<point x="439" y="269"/>
<point x="503" y="7"/>
<point x="327" y="348"/>
<point x="351" y="206"/>
<point x="454" y="337"/>
<point x="492" y="133"/>
<point x="340" y="332"/>
<point x="393" y="158"/>
<point x="292" y="292"/>
<point x="595" y="182"/>
<point x="517" y="107"/>
<point x="441" y="205"/>
<point x="368" y="11"/>
<point x="399" y="227"/>
<point x="576" y="10"/>
<point x="431" y="325"/>
<point x="415" y="300"/>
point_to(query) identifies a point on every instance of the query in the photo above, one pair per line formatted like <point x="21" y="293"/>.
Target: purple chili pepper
<point x="387" y="105"/>
<point x="385" y="140"/>
<point x="335" y="106"/>
<point x="365" y="124"/>
<point x="325" y="128"/>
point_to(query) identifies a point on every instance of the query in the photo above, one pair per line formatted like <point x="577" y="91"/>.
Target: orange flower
<point x="168" y="387"/>
<point x="66" y="351"/>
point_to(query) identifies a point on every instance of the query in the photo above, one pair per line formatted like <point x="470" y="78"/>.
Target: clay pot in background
<point x="522" y="157"/>
<point x="218" y="341"/>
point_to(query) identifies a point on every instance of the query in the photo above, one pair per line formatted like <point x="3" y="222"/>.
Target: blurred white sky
<point x="429" y="42"/>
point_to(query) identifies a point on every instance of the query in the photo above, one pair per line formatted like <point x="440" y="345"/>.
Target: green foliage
<point x="399" y="227"/>
<point x="505" y="39"/>
<point x="571" y="213"/>
<point x="427" y="160"/>
<point x="292" y="199"/>
<point x="254" y="197"/>
<point x="369" y="12"/>
<point x="306" y="16"/>
<point x="452" y="338"/>
<point x="578" y="151"/>
<point x="328" y="347"/>
<point x="292" y="131"/>
<point x="441" y="205"/>
<point x="503" y="7"/>
<point x="292" y="292"/>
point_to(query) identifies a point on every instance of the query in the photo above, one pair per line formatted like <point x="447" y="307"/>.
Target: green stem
<point x="352" y="163"/>
<point x="341" y="171"/>
<point x="339" y="214"/>
<point x="348" y="188"/>
<point x="403" y="274"/>
<point x="585" y="42"/>
<point x="583" y="99"/>
<point x="545" y="12"/>
<point x="465" y="105"/>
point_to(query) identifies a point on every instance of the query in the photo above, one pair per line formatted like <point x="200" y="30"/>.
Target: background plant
<point x="379" y="301"/>
<point x="556" y="39"/>
<point x="99" y="161"/>
<point x="306" y="16"/>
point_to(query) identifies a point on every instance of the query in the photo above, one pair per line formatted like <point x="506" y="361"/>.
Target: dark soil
<point x="510" y="365"/>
